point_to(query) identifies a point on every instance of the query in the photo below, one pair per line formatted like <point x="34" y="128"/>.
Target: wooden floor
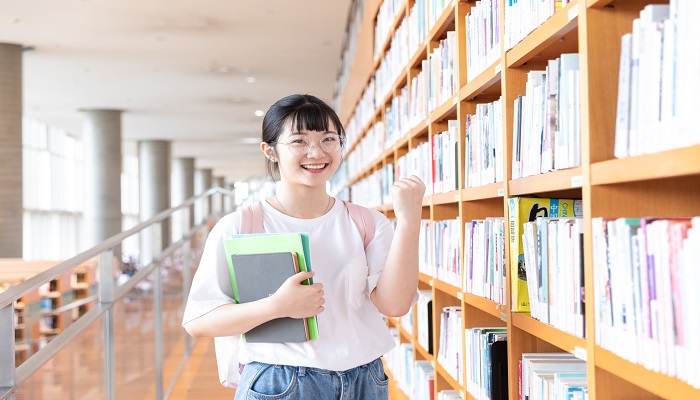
<point x="199" y="379"/>
<point x="77" y="372"/>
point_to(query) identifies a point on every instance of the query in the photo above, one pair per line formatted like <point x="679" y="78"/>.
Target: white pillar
<point x="102" y="160"/>
<point x="182" y="189"/>
<point x="154" y="190"/>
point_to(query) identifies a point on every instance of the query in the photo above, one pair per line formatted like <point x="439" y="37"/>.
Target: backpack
<point x="252" y="222"/>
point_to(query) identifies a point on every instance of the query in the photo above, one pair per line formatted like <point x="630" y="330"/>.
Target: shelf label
<point x="432" y="363"/>
<point x="580" y="353"/>
<point x="427" y="123"/>
<point x="459" y="295"/>
<point x="498" y="68"/>
<point x="500" y="192"/>
<point x="430" y="282"/>
<point x="455" y="101"/>
<point x="456" y="197"/>
<point x="573" y="13"/>
<point x="576" y="181"/>
<point x="504" y="317"/>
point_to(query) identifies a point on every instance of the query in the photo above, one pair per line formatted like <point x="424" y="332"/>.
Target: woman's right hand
<point x="295" y="300"/>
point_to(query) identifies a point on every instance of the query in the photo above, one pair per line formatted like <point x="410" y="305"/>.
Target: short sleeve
<point x="378" y="250"/>
<point x="211" y="285"/>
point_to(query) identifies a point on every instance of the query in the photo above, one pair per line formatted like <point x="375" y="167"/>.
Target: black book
<point x="258" y="276"/>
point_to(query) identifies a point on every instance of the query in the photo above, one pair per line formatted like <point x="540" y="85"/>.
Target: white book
<point x="634" y="89"/>
<point x="622" y="122"/>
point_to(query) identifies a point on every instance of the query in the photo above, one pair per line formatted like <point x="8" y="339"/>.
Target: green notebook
<point x="273" y="243"/>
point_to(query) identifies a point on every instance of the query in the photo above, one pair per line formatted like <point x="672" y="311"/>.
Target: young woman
<point x="303" y="141"/>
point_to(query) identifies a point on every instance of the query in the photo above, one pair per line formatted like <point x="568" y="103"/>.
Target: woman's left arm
<point x="397" y="284"/>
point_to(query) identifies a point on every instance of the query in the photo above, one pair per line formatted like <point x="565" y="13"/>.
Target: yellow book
<point x="520" y="211"/>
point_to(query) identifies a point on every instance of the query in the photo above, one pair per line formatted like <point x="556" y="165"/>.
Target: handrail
<point x="19" y="290"/>
<point x="7" y="299"/>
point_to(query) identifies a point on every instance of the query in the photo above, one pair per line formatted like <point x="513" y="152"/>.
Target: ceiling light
<point x="250" y="79"/>
<point x="259" y="113"/>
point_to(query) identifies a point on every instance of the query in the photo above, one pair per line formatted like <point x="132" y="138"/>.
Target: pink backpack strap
<point x="362" y="218"/>
<point x="251" y="219"/>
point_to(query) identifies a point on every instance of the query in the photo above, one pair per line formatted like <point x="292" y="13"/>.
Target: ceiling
<point x="182" y="70"/>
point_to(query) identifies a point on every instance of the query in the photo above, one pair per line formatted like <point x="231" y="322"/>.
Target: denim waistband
<point x="302" y="370"/>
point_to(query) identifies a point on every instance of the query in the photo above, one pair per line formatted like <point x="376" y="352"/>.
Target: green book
<point x="273" y="243"/>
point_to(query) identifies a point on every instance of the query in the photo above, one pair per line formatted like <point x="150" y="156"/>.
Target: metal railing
<point x="108" y="294"/>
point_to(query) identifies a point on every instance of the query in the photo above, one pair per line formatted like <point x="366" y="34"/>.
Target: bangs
<point x="313" y="117"/>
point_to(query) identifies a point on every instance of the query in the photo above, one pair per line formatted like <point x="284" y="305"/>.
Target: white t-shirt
<point x="351" y="330"/>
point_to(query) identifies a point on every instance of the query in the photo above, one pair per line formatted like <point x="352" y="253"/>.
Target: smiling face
<point x="307" y="157"/>
<point x="301" y="136"/>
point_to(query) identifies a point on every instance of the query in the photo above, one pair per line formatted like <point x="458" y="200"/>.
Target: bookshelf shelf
<point x="420" y="55"/>
<point x="439" y="369"/>
<point x="489" y="191"/>
<point x="447" y="288"/>
<point x="485" y="305"/>
<point x="666" y="164"/>
<point x="446" y="198"/>
<point x="403" y="334"/>
<point x="661" y="385"/>
<point x="425" y="278"/>
<point x="548" y="333"/>
<point x="398" y="83"/>
<point x="487" y="83"/>
<point x="419" y="130"/>
<point x="422" y="353"/>
<point x="550" y="182"/>
<point x="445" y="110"/>
<point x="557" y="35"/>
<point x="664" y="184"/>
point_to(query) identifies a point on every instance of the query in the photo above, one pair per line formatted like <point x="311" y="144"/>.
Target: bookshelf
<point x="36" y="320"/>
<point x="664" y="184"/>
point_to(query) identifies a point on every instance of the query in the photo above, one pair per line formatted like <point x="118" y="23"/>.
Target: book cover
<point x="258" y="276"/>
<point x="273" y="243"/>
<point x="527" y="209"/>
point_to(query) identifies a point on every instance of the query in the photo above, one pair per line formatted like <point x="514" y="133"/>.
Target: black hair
<point x="304" y="112"/>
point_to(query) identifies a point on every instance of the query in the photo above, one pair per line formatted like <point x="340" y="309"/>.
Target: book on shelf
<point x="297" y="243"/>
<point x="487" y="362"/>
<point x="521" y="211"/>
<point x="535" y="367"/>
<point x="257" y="276"/>
<point x="645" y="294"/>
<point x="553" y="251"/>
<point x="484" y="259"/>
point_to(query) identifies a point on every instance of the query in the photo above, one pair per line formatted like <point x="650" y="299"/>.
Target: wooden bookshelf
<point x="662" y="184"/>
<point x="36" y="320"/>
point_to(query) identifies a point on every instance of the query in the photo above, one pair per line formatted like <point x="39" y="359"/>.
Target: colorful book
<point x="527" y="209"/>
<point x="273" y="243"/>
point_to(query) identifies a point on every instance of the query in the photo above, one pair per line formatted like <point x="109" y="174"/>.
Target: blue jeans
<point x="261" y="381"/>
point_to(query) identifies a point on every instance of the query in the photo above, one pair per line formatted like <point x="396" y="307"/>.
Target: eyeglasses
<point x="329" y="143"/>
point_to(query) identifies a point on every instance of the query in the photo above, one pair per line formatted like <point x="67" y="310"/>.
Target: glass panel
<point x="76" y="372"/>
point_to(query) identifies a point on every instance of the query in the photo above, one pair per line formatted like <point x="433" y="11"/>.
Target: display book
<point x="522" y="210"/>
<point x="258" y="265"/>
